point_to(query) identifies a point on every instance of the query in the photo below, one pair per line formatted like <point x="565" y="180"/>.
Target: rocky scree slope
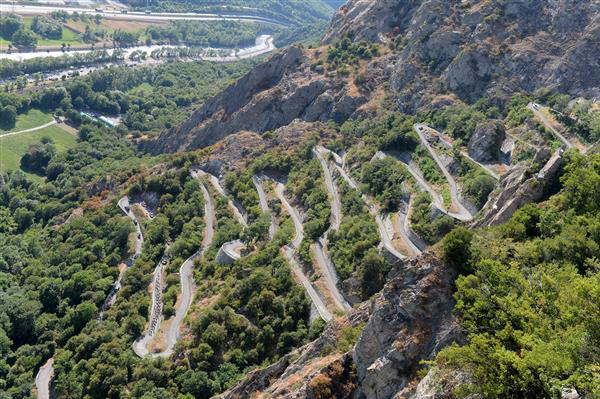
<point x="473" y="48"/>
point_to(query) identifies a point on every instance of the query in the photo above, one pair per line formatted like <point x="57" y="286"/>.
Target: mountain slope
<point x="475" y="48"/>
<point x="441" y="52"/>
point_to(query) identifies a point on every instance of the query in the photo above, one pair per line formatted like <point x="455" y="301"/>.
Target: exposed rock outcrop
<point x="409" y="321"/>
<point x="475" y="48"/>
<point x="522" y="186"/>
<point x="486" y="142"/>
<point x="272" y="95"/>
<point x="439" y="384"/>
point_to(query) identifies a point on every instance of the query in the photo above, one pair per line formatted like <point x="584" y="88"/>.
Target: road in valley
<point x="462" y="214"/>
<point x="137" y="16"/>
<point x="290" y="254"/>
<point x="264" y="205"/>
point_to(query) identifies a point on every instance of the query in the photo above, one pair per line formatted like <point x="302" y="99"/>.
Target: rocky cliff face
<point x="522" y="185"/>
<point x="473" y="48"/>
<point x="409" y="321"/>
<point x="272" y="95"/>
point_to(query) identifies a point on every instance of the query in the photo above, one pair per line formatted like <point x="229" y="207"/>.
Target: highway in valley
<point x="137" y="15"/>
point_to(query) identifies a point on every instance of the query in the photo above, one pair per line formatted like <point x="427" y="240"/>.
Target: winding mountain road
<point x="382" y="226"/>
<point x="187" y="284"/>
<point x="125" y="206"/>
<point x="264" y="205"/>
<point x="237" y="210"/>
<point x="140" y="346"/>
<point x="463" y="214"/>
<point x="186" y="276"/>
<point x="336" y="202"/>
<point x="535" y="108"/>
<point x="290" y="252"/>
<point x="320" y="247"/>
<point x="416" y="245"/>
<point x="43" y="379"/>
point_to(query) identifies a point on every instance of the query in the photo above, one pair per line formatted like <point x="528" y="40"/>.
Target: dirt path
<point x="33" y="129"/>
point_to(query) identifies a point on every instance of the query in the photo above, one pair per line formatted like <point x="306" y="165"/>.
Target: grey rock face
<point x="519" y="187"/>
<point x="486" y="141"/>
<point x="272" y="95"/>
<point x="475" y="48"/>
<point x="439" y="384"/>
<point x="415" y="303"/>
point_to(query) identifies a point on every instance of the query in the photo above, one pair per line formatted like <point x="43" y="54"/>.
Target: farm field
<point x="12" y="148"/>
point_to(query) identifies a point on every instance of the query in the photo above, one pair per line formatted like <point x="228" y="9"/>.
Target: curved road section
<point x="140" y="347"/>
<point x="320" y="247"/>
<point x="382" y="225"/>
<point x="535" y="108"/>
<point x="125" y="206"/>
<point x="463" y="214"/>
<point x="235" y="208"/>
<point x="187" y="278"/>
<point x="43" y="378"/>
<point x="264" y="205"/>
<point x="290" y="252"/>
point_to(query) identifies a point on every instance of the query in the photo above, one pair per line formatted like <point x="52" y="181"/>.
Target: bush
<point x="457" y="249"/>
<point x="8" y="117"/>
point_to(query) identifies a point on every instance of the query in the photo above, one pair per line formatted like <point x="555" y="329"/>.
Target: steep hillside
<point x="439" y="53"/>
<point x="473" y="48"/>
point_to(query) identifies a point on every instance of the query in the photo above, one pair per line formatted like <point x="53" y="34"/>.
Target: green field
<point x="12" y="148"/>
<point x="31" y="119"/>
<point x="145" y="87"/>
<point x="68" y="37"/>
